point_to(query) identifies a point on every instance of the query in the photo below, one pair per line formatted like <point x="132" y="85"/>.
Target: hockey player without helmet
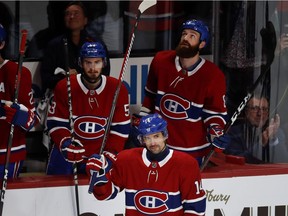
<point x="93" y="50"/>
<point x="2" y="34"/>
<point x="198" y="26"/>
<point x="151" y="124"/>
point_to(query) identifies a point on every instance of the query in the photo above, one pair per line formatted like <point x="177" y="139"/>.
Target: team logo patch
<point x="90" y="127"/>
<point x="174" y="107"/>
<point x="151" y="202"/>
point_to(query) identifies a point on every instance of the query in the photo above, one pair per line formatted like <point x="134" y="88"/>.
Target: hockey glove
<point x="96" y="162"/>
<point x="19" y="115"/>
<point x="95" y="167"/>
<point x="217" y="138"/>
<point x="134" y="132"/>
<point x="72" y="151"/>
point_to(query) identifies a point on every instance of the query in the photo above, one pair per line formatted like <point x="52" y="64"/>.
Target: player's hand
<point x="72" y="151"/>
<point x="271" y="130"/>
<point x="95" y="167"/>
<point x="217" y="138"/>
<point x="97" y="162"/>
<point x="134" y="132"/>
<point x="17" y="114"/>
<point x="73" y="71"/>
<point x="136" y="120"/>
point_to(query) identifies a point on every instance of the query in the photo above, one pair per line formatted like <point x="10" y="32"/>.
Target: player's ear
<point x="104" y="62"/>
<point x="79" y="62"/>
<point x="2" y="45"/>
<point x="202" y="44"/>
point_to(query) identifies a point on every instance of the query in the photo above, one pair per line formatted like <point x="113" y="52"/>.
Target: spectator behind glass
<point x="53" y="65"/>
<point x="258" y="139"/>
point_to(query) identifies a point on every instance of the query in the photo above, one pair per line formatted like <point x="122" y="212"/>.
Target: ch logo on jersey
<point x="174" y="107"/>
<point x="90" y="127"/>
<point x="151" y="202"/>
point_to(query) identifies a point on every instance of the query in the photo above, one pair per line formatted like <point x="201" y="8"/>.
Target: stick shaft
<point x="69" y="94"/>
<point x="142" y="7"/>
<point x="120" y="81"/>
<point x="115" y="98"/>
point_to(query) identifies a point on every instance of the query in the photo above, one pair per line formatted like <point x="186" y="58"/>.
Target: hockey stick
<point x="11" y="134"/>
<point x="145" y="4"/>
<point x="75" y="175"/>
<point x="239" y="110"/>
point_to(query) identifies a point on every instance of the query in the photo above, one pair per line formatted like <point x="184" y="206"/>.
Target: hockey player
<point x="92" y="96"/>
<point x="188" y="91"/>
<point x="157" y="180"/>
<point x="20" y="114"/>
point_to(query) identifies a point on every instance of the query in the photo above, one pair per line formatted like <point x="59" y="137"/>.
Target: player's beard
<point x="91" y="80"/>
<point x="187" y="51"/>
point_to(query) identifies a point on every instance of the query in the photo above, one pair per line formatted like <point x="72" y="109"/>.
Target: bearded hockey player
<point x="92" y="95"/>
<point x="20" y="114"/>
<point x="156" y="180"/>
<point x="188" y="91"/>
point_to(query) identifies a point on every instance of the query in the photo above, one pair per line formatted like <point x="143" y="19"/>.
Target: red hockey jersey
<point x="188" y="102"/>
<point x="8" y="71"/>
<point x="91" y="109"/>
<point x="171" y="186"/>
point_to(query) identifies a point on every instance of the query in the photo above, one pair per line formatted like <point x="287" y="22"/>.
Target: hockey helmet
<point x="151" y="124"/>
<point x="93" y="50"/>
<point x="2" y="34"/>
<point x="199" y="26"/>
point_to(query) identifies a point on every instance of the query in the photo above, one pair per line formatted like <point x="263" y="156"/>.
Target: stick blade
<point x="145" y="4"/>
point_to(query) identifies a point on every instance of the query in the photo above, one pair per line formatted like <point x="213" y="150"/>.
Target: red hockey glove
<point x="136" y="120"/>
<point x="19" y="115"/>
<point x="97" y="162"/>
<point x="95" y="167"/>
<point x="134" y="132"/>
<point x="72" y="151"/>
<point x="217" y="138"/>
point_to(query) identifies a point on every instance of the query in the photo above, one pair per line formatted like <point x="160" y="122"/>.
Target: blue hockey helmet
<point x="151" y="124"/>
<point x="93" y="50"/>
<point x="2" y="34"/>
<point x="199" y="26"/>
